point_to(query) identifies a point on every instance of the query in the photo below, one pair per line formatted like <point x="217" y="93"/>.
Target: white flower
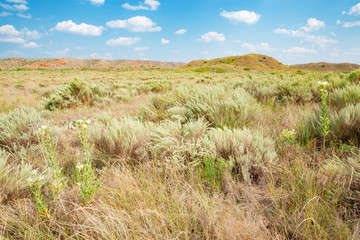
<point x="323" y="83"/>
<point x="30" y="180"/>
<point x="85" y="126"/>
<point x="88" y="121"/>
<point x="79" y="166"/>
<point x="41" y="178"/>
<point x="34" y="172"/>
<point x="43" y="127"/>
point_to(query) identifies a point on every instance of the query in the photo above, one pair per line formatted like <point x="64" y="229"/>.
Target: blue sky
<point x="181" y="30"/>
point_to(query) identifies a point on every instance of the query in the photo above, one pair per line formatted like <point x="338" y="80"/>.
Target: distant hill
<point x="73" y="63"/>
<point x="245" y="62"/>
<point x="324" y="66"/>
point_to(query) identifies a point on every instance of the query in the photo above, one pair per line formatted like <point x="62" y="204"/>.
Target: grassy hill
<point x="73" y="63"/>
<point x="324" y="66"/>
<point x="245" y="62"/>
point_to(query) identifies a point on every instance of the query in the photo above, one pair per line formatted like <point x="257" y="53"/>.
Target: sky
<point x="291" y="31"/>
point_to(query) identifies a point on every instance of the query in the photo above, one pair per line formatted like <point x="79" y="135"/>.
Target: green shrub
<point x="294" y="91"/>
<point x="354" y="76"/>
<point x="17" y="127"/>
<point x="250" y="151"/>
<point x="222" y="107"/>
<point x="343" y="96"/>
<point x="77" y="92"/>
<point x="154" y="86"/>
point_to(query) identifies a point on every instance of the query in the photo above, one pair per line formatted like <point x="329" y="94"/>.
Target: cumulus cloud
<point x="293" y="33"/>
<point x="16" y="7"/>
<point x="12" y="39"/>
<point x="303" y="32"/>
<point x="263" y="47"/>
<point x="165" y="41"/>
<point x="123" y="41"/>
<point x="5" y="14"/>
<point x="140" y="49"/>
<point x="241" y="16"/>
<point x="59" y="52"/>
<point x="82" y="29"/>
<point x="212" y="37"/>
<point x="181" y="31"/>
<point x="349" y="24"/>
<point x="313" y="24"/>
<point x="17" y="1"/>
<point x="151" y="5"/>
<point x="354" y="10"/>
<point x="97" y="2"/>
<point x="321" y="41"/>
<point x="135" y="24"/>
<point x="299" y="50"/>
<point x="28" y="16"/>
<point x="9" y="30"/>
<point x="32" y="34"/>
<point x="31" y="45"/>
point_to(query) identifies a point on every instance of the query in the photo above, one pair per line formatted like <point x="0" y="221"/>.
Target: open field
<point x="179" y="154"/>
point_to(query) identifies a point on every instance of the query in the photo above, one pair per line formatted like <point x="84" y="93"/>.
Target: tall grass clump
<point x="345" y="125"/>
<point x="222" y="107"/>
<point x="126" y="138"/>
<point x="77" y="92"/>
<point x="13" y="178"/>
<point x="17" y="128"/>
<point x="343" y="96"/>
<point x="251" y="153"/>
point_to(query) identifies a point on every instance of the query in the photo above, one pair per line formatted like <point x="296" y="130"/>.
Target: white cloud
<point x="5" y="14"/>
<point x="97" y="2"/>
<point x="31" y="45"/>
<point x="135" y="24"/>
<point x="212" y="36"/>
<point x="321" y="41"/>
<point x="181" y="31"/>
<point x="107" y="56"/>
<point x="165" y="41"/>
<point x="147" y="5"/>
<point x="33" y="34"/>
<point x="28" y="16"/>
<point x="205" y="52"/>
<point x="123" y="41"/>
<point x="293" y="33"/>
<point x="263" y="47"/>
<point x="355" y="10"/>
<point x="299" y="50"/>
<point x="241" y="16"/>
<point x="12" y="40"/>
<point x="140" y="49"/>
<point x="82" y="29"/>
<point x="313" y="24"/>
<point x="350" y="24"/>
<point x="9" y="30"/>
<point x="17" y="1"/>
<point x="17" y="7"/>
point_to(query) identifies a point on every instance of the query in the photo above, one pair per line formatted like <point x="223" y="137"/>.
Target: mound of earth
<point x="245" y="62"/>
<point x="324" y="66"/>
<point x="73" y="63"/>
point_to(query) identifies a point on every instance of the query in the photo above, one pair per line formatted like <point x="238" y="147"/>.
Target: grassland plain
<point x="179" y="154"/>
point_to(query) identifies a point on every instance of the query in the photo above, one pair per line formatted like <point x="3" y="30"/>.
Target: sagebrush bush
<point x="294" y="91"/>
<point x="221" y="106"/>
<point x="250" y="151"/>
<point x="345" y="124"/>
<point x="17" y="127"/>
<point x="354" y="76"/>
<point x="343" y="96"/>
<point x="154" y="86"/>
<point x="77" y="92"/>
<point x="126" y="138"/>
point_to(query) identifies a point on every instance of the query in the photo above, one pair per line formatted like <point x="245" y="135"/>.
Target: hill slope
<point x="324" y="66"/>
<point x="73" y="63"/>
<point x="249" y="61"/>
